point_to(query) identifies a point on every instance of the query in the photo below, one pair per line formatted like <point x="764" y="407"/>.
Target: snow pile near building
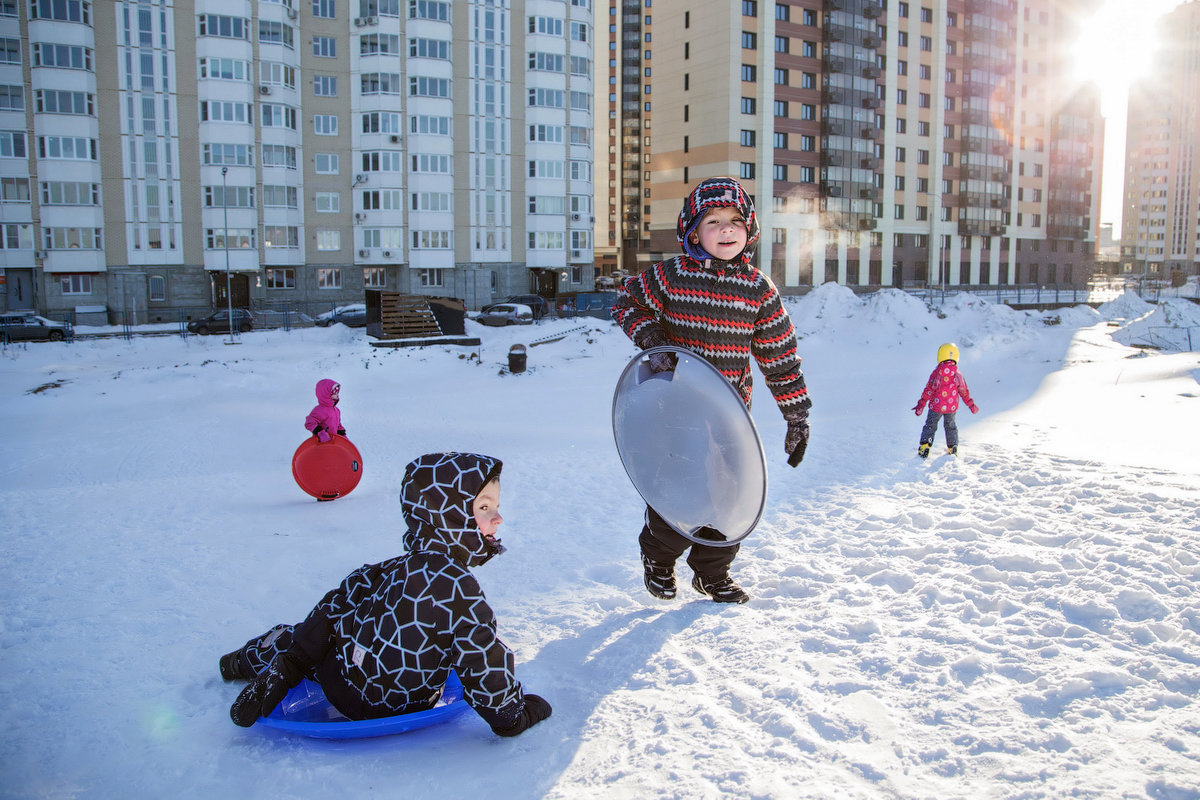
<point x="1126" y="307"/>
<point x="1174" y="326"/>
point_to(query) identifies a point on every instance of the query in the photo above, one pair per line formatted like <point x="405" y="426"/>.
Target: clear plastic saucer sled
<point x="690" y="447"/>
<point x="306" y="712"/>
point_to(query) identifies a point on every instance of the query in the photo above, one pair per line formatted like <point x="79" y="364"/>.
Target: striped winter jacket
<point x="723" y="312"/>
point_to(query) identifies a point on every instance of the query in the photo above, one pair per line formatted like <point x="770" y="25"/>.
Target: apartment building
<point x="162" y="157"/>
<point x="886" y="143"/>
<point x="1160" y="222"/>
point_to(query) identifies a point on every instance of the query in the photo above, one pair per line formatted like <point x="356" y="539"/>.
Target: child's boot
<point x="952" y="451"/>
<point x="231" y="670"/>
<point x="660" y="579"/>
<point x="721" y="589"/>
<point x="923" y="450"/>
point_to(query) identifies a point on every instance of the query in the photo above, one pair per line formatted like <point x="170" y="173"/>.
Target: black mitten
<point x="267" y="690"/>
<point x="534" y="711"/>
<point x="659" y="362"/>
<point x="341" y="431"/>
<point x="795" y="441"/>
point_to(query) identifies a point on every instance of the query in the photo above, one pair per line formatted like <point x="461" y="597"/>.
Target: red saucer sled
<point x="327" y="470"/>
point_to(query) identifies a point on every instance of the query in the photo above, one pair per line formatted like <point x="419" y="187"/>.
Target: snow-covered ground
<point x="1022" y="621"/>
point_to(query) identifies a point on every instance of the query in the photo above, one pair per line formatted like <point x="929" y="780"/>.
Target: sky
<point x="1116" y="46"/>
<point x="1017" y="621"/>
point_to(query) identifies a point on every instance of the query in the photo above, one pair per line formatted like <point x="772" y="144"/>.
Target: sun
<point x="1116" y="46"/>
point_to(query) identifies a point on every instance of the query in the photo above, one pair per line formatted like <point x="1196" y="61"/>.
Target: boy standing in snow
<point x="325" y="418"/>
<point x="946" y="384"/>
<point x="383" y="642"/>
<point x="714" y="302"/>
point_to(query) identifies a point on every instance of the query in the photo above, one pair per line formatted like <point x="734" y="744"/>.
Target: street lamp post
<point x="228" y="283"/>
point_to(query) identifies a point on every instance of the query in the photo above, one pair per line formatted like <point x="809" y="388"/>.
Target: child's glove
<point x="322" y="434"/>
<point x="659" y="362"/>
<point x="974" y="408"/>
<point x="795" y="441"/>
<point x="534" y="711"/>
<point x="267" y="690"/>
<point x="918" y="408"/>
<point x="341" y="431"/>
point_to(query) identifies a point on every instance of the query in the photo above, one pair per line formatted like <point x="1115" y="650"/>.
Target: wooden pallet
<point x="406" y="317"/>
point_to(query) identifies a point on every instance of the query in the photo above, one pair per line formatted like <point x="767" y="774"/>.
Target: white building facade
<point x="161" y="156"/>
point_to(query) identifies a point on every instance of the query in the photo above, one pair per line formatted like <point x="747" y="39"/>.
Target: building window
<point x="328" y="202"/>
<point x="325" y="9"/>
<point x="748" y="138"/>
<point x="281" y="278"/>
<point x="325" y="163"/>
<point x="749" y="40"/>
<point x="808" y="111"/>
<point x="281" y="236"/>
<point x="276" y="33"/>
<point x="81" y="283"/>
<point x="329" y="240"/>
<point x="325" y="46"/>
<point x="223" y="26"/>
<point x="325" y="86"/>
<point x="374" y="277"/>
<point x="779" y="172"/>
<point x="781" y="108"/>
<point x="749" y="105"/>
<point x="780" y="140"/>
<point x="808" y="174"/>
<point x="749" y="72"/>
<point x="329" y="278"/>
<point x="808" y="143"/>
<point x="746" y="170"/>
<point x="325" y="125"/>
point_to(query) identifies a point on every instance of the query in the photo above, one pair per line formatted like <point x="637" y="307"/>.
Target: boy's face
<point x="721" y="232"/>
<point x="487" y="509"/>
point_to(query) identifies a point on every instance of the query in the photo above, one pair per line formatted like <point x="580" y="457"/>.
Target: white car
<point x="506" y="314"/>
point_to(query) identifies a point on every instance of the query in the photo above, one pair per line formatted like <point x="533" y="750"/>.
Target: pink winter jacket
<point x="325" y="418"/>
<point x="942" y="391"/>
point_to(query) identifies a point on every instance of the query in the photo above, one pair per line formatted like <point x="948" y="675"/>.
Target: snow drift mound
<point x="1127" y="306"/>
<point x="1174" y="326"/>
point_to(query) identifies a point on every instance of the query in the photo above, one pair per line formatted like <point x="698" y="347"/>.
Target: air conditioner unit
<point x="292" y="14"/>
<point x="359" y="22"/>
<point x="370" y="20"/>
<point x="360" y="178"/>
<point x="575" y="217"/>
<point x="39" y="254"/>
<point x="364" y="253"/>
<point x="264" y="90"/>
<point x="395" y="139"/>
<point x="387" y="253"/>
<point x="360" y="216"/>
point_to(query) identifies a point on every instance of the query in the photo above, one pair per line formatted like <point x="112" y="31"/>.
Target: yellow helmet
<point x="948" y="352"/>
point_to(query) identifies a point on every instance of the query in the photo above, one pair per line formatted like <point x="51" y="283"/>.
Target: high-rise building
<point x="886" y="143"/>
<point x="154" y="152"/>
<point x="1160" y="221"/>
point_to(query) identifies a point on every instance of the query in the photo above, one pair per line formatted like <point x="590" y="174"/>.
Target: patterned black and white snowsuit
<point x="383" y="642"/>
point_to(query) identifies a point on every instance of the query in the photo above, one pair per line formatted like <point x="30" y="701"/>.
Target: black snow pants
<point x="930" y="429"/>
<point x="661" y="544"/>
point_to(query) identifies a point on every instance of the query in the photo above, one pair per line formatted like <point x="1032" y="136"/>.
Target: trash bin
<point x="516" y="358"/>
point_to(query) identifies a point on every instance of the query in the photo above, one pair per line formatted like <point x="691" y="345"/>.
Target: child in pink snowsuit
<point x="946" y="384"/>
<point x="325" y="418"/>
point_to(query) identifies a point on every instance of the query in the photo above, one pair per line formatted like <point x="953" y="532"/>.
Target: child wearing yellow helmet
<point x="942" y="391"/>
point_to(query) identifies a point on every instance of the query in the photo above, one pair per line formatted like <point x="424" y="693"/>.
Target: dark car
<point x="243" y="321"/>
<point x="19" y="327"/>
<point x="537" y="304"/>
<point x="352" y="316"/>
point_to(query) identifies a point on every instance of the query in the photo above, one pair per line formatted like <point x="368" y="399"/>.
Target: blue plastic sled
<point x="306" y="711"/>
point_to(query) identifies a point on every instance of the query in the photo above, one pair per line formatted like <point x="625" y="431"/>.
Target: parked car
<point x="352" y="316"/>
<point x="19" y="327"/>
<point x="243" y="321"/>
<point x="536" y="303"/>
<point x="506" y="314"/>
